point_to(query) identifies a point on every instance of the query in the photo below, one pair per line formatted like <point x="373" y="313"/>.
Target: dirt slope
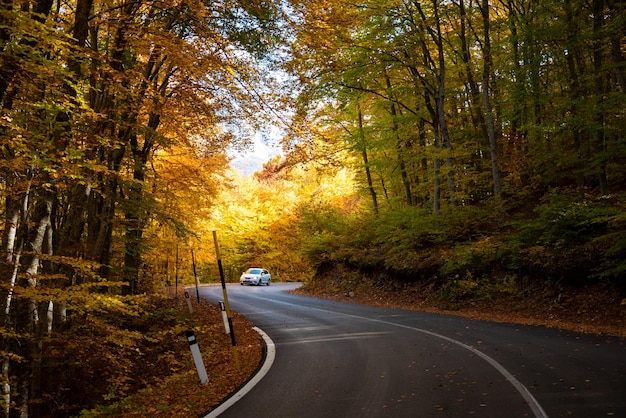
<point x="595" y="308"/>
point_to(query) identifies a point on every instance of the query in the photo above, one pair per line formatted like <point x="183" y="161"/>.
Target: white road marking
<point x="523" y="390"/>
<point x="267" y="365"/>
<point x="271" y="353"/>
<point x="325" y="338"/>
<point x="519" y="386"/>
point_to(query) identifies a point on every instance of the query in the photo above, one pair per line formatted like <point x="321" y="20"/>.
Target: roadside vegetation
<point x="152" y="373"/>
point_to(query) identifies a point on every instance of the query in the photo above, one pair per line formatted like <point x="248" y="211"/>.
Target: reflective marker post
<point x="197" y="357"/>
<point x="225" y="317"/>
<point x="188" y="302"/>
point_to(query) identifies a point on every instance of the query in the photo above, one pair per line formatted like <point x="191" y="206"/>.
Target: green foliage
<point x="408" y="241"/>
<point x="558" y="129"/>
<point x="393" y="240"/>
<point x="613" y="265"/>
<point x="565" y="221"/>
<point x="567" y="240"/>
<point x="472" y="257"/>
<point x="322" y="231"/>
<point x="458" y="289"/>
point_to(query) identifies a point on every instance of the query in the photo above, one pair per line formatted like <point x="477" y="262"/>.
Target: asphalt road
<point x="336" y="359"/>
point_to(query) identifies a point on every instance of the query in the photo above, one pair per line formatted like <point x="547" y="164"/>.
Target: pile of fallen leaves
<point x="170" y="385"/>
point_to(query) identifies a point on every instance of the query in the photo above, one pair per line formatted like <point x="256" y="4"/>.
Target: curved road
<point x="337" y="359"/>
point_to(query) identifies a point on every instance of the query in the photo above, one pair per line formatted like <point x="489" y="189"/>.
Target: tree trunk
<point x="616" y="12"/>
<point x="13" y="237"/>
<point x="101" y="214"/>
<point x="368" y="174"/>
<point x="436" y="173"/>
<point x="436" y="186"/>
<point x="9" y="236"/>
<point x="28" y="372"/>
<point x="478" y="119"/>
<point x="136" y="214"/>
<point x="579" y="133"/>
<point x="599" y="93"/>
<point x="440" y="100"/>
<point x="487" y="59"/>
<point x="399" y="149"/>
<point x="435" y="92"/>
<point x="424" y="159"/>
<point x="9" y="67"/>
<point x="133" y="234"/>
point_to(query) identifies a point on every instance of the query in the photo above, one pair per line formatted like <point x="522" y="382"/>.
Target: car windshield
<point x="254" y="271"/>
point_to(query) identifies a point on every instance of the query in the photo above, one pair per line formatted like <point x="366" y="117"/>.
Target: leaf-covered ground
<point x="177" y="392"/>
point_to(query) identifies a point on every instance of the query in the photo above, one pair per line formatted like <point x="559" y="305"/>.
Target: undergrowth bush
<point x="478" y="257"/>
<point x="562" y="221"/>
<point x="613" y="261"/>
<point x="561" y="240"/>
<point x="324" y="234"/>
<point x="408" y="241"/>
<point x="119" y="346"/>
<point x="459" y="288"/>
<point x="568" y="240"/>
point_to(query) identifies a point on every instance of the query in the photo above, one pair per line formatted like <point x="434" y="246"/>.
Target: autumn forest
<point x="474" y="145"/>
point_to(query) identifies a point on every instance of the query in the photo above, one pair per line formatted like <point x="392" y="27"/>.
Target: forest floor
<point x="598" y="309"/>
<point x="177" y="391"/>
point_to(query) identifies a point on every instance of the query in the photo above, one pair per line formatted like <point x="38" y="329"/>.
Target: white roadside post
<point x="188" y="302"/>
<point x="197" y="357"/>
<point x="225" y="317"/>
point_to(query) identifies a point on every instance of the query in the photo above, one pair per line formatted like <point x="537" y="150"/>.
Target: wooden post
<point x="176" y="269"/>
<point x="226" y="304"/>
<point x="195" y="275"/>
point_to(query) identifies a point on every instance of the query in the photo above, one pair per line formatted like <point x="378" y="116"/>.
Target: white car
<point x="256" y="276"/>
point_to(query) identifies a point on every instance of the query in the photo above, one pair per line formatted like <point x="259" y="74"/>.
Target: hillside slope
<point x="592" y="308"/>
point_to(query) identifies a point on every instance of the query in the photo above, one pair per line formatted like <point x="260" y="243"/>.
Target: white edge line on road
<point x="271" y="353"/>
<point x="534" y="405"/>
<point x="523" y="390"/>
<point x="267" y="364"/>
